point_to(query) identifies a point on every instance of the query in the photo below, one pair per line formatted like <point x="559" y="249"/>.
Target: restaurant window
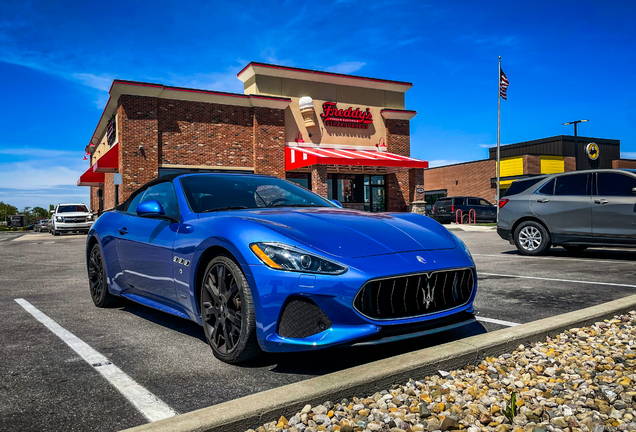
<point x="301" y="179"/>
<point x="346" y="185"/>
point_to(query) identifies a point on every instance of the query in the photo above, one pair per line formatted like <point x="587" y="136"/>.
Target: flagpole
<point x="498" y="134"/>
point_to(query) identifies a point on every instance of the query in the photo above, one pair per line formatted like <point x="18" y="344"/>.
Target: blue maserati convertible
<point x="264" y="264"/>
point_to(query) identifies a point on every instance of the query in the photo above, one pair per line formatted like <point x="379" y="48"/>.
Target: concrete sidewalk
<point x="473" y="228"/>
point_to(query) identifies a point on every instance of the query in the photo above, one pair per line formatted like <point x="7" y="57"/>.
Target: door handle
<point x="601" y="201"/>
<point x="543" y="200"/>
<point x="123" y="231"/>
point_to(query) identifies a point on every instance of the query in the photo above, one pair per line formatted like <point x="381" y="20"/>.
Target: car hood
<point x="72" y="214"/>
<point x="348" y="233"/>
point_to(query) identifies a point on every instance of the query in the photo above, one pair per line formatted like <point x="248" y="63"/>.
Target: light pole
<point x="576" y="138"/>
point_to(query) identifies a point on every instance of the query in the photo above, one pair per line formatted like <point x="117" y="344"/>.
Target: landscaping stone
<point x="582" y="380"/>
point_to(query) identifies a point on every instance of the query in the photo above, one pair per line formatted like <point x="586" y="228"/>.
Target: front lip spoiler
<point x="427" y="332"/>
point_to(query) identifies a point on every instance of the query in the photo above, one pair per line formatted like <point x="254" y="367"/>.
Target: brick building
<point x="345" y="137"/>
<point x="526" y="159"/>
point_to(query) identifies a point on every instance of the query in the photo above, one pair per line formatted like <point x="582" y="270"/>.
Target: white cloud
<point x="487" y="145"/>
<point x="224" y="82"/>
<point x="346" y="67"/>
<point x="44" y="177"/>
<point x="29" y="175"/>
<point x="37" y="153"/>
<point x="628" y="155"/>
<point x="443" y="162"/>
<point x="94" y="81"/>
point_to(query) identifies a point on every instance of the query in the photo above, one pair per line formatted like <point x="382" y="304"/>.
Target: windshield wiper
<point x="297" y="205"/>
<point x="224" y="208"/>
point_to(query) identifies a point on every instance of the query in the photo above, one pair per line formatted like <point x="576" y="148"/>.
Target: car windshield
<point x="218" y="192"/>
<point x="72" y="208"/>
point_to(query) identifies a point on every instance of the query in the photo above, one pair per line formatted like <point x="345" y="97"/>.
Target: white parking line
<point x="496" y="321"/>
<point x="558" y="280"/>
<point x="557" y="258"/>
<point x="146" y="403"/>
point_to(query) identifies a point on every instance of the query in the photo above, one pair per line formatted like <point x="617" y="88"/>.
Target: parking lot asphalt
<point x="46" y="385"/>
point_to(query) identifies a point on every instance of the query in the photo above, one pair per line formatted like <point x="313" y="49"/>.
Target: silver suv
<point x="574" y="210"/>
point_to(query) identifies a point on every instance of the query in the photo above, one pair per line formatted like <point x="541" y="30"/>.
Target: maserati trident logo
<point x="420" y="259"/>
<point x="428" y="294"/>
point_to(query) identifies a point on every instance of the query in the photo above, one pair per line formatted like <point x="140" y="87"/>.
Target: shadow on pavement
<point x="318" y="362"/>
<point x="596" y="253"/>
<point x="334" y="359"/>
<point x="181" y="325"/>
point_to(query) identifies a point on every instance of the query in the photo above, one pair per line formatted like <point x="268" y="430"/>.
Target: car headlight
<point x="89" y="217"/>
<point x="59" y="219"/>
<point x="285" y="257"/>
<point x="462" y="245"/>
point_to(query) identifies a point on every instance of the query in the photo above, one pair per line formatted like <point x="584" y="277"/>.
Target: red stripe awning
<point x="91" y="178"/>
<point x="109" y="163"/>
<point x="299" y="157"/>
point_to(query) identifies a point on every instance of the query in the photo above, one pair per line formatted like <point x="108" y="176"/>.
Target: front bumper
<point x="73" y="226"/>
<point x="335" y="296"/>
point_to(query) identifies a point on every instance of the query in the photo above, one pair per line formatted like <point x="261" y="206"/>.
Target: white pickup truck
<point x="71" y="217"/>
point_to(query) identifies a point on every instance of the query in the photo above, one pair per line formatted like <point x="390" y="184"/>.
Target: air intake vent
<point x="301" y="318"/>
<point x="415" y="295"/>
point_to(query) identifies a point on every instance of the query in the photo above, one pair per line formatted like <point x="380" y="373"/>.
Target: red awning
<point x="91" y="178"/>
<point x="299" y="157"/>
<point x="109" y="163"/>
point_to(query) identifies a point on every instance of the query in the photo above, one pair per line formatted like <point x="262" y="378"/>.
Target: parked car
<point x="263" y="264"/>
<point x="445" y="210"/>
<point x="41" y="225"/>
<point x="71" y="218"/>
<point x="575" y="210"/>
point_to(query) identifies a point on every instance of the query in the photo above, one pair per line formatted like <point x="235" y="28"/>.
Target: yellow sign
<point x="592" y="151"/>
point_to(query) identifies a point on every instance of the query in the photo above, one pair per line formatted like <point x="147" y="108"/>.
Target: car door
<point x="614" y="208"/>
<point x="488" y="211"/>
<point x="145" y="245"/>
<point x="564" y="204"/>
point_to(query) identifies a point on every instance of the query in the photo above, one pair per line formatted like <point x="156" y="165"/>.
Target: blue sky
<point x="566" y="60"/>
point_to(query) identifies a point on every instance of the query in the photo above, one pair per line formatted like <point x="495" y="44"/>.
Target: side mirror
<point x="337" y="203"/>
<point x="150" y="209"/>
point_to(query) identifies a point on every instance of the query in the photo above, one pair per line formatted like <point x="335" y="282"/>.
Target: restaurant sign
<point x="110" y="130"/>
<point x="350" y="118"/>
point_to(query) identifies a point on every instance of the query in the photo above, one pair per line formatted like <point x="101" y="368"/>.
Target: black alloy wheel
<point x="97" y="280"/>
<point x="466" y="219"/>
<point x="227" y="312"/>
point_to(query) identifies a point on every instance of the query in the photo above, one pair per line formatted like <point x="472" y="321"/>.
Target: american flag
<point x="503" y="84"/>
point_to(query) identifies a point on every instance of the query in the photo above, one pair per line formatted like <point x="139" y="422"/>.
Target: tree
<point x="39" y="213"/>
<point x="7" y="210"/>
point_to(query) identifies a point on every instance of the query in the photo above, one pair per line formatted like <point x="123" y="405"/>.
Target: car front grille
<point x="75" y="219"/>
<point x="415" y="295"/>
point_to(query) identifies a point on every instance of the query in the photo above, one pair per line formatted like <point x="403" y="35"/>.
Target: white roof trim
<point x="324" y="77"/>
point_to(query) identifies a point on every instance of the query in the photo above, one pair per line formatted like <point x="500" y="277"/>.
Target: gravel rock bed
<point x="580" y="381"/>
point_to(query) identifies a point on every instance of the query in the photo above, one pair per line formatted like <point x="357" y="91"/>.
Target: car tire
<point x="226" y="306"/>
<point x="56" y="233"/>
<point x="531" y="238"/>
<point x="97" y="281"/>
<point x="466" y="220"/>
<point x="574" y="248"/>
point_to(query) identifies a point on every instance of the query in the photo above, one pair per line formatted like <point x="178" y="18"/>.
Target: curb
<point x="254" y="410"/>
<point x="479" y="228"/>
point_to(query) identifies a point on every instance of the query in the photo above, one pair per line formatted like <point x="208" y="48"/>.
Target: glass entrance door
<point x="374" y="194"/>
